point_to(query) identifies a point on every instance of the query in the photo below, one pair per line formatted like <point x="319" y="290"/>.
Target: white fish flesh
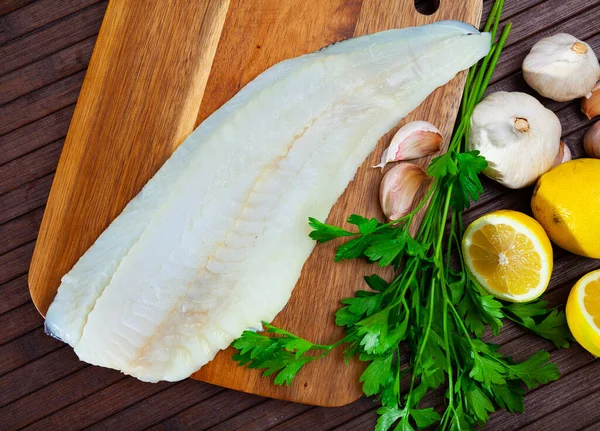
<point x="215" y="241"/>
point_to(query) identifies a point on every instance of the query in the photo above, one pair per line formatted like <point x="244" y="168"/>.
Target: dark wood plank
<point x="541" y="402"/>
<point x="52" y="38"/>
<point x="545" y="15"/>
<point x="211" y="412"/>
<point x="595" y="426"/>
<point x="37" y="374"/>
<point x="7" y="6"/>
<point x="19" y="231"/>
<point x="321" y="419"/>
<point x="30" y="167"/>
<point x="37" y="15"/>
<point x="511" y="8"/>
<point x="40" y="103"/>
<point x="35" y="135"/>
<point x="56" y="396"/>
<point x="263" y="416"/>
<point x="63" y="63"/>
<point x="25" y="349"/>
<point x="15" y="263"/>
<point x="25" y="198"/>
<point x="577" y="24"/>
<point x="19" y="321"/>
<point x="159" y="407"/>
<point x="101" y="404"/>
<point x="572" y="416"/>
<point x="14" y="294"/>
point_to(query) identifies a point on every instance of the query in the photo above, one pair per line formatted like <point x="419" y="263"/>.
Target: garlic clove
<point x="398" y="189"/>
<point x="590" y="104"/>
<point x="591" y="141"/>
<point x="561" y="67"/>
<point x="563" y="155"/>
<point x="517" y="135"/>
<point x="413" y="140"/>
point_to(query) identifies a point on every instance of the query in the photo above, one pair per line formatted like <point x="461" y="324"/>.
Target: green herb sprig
<point x="438" y="311"/>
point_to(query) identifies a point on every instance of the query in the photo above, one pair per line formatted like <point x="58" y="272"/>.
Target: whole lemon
<point x="566" y="202"/>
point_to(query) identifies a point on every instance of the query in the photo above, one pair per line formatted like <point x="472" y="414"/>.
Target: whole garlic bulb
<point x="561" y="67"/>
<point x="518" y="137"/>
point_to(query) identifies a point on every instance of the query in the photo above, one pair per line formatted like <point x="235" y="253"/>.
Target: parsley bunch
<point x="422" y="330"/>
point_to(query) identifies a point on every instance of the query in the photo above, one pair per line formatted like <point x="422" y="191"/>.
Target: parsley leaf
<point x="536" y="370"/>
<point x="388" y="416"/>
<point x="282" y="354"/>
<point x="365" y="226"/>
<point x="548" y="323"/>
<point x="323" y="232"/>
<point x="509" y="396"/>
<point x="376" y="374"/>
<point x="424" y="417"/>
<point x="487" y="370"/>
<point x="468" y="187"/>
<point x="442" y="166"/>
<point x="476" y="402"/>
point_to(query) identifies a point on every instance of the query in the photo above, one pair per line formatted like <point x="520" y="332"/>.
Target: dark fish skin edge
<point x="48" y="331"/>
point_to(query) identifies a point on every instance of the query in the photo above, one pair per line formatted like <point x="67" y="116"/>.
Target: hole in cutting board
<point x="427" y="7"/>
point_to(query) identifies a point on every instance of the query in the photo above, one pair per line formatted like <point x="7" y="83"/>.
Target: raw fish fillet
<point x="215" y="241"/>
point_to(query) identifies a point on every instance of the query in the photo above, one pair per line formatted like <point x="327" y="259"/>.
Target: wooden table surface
<point x="45" y="47"/>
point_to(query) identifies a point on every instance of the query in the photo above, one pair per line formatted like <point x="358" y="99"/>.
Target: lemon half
<point x="509" y="254"/>
<point x="583" y="312"/>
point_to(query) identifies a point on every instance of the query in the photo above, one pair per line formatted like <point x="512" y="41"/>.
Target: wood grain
<point x="47" y="40"/>
<point x="37" y="15"/>
<point x="175" y="398"/>
<point x="46" y="70"/>
<point x="24" y="198"/>
<point x="15" y="293"/>
<point x="35" y="135"/>
<point x="19" y="352"/>
<point x="125" y="83"/>
<point x="36" y="405"/>
<point x="40" y="103"/>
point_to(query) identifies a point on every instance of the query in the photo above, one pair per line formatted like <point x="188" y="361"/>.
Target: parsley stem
<point x="494" y="61"/>
<point x="425" y="338"/>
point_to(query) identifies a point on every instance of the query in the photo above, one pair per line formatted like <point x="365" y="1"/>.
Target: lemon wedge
<point x="583" y="312"/>
<point x="509" y="254"/>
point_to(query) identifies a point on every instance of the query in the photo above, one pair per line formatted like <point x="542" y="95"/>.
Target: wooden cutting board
<point x="157" y="71"/>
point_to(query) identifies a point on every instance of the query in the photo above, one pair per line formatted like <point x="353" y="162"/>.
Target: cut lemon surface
<point x="583" y="312"/>
<point x="509" y="254"/>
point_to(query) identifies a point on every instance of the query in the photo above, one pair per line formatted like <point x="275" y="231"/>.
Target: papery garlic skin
<point x="561" y="67"/>
<point x="590" y="104"/>
<point x="591" y="141"/>
<point x="517" y="136"/>
<point x="398" y="189"/>
<point x="564" y="154"/>
<point x="413" y="140"/>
